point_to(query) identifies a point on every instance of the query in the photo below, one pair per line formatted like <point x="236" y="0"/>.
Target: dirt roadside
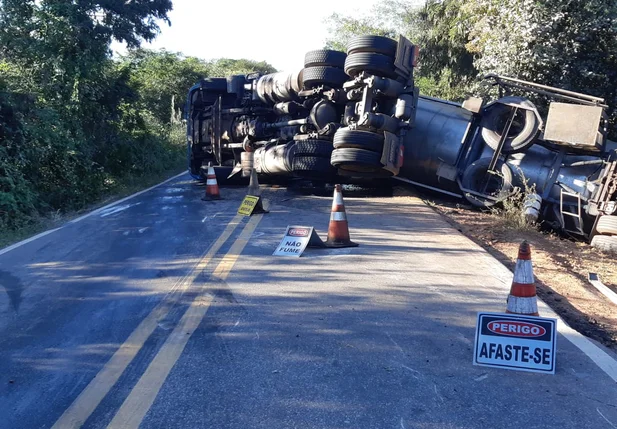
<point x="561" y="266"/>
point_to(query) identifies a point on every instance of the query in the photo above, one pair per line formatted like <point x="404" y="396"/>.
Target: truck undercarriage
<point x="357" y="116"/>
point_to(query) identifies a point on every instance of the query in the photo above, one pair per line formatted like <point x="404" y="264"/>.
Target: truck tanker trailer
<point x="356" y="116"/>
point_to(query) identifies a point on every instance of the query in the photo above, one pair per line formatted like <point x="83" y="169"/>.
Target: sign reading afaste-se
<point x="511" y="341"/>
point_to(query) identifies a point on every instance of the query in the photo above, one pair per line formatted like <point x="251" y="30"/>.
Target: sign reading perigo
<point x="510" y="341"/>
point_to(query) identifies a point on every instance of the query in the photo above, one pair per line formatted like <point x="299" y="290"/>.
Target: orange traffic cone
<point x="522" y="298"/>
<point x="212" y="187"/>
<point x="338" y="230"/>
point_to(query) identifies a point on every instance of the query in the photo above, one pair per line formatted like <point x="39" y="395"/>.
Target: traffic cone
<point x="212" y="187"/>
<point x="338" y="230"/>
<point x="522" y="298"/>
<point x="253" y="184"/>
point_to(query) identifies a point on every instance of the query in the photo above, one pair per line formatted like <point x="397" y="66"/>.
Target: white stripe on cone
<point x="338" y="216"/>
<point x="520" y="305"/>
<point x="211" y="182"/>
<point x="338" y="199"/>
<point x="523" y="272"/>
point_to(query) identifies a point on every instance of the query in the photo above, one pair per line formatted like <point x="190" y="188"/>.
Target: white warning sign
<point x="296" y="239"/>
<point x="510" y="341"/>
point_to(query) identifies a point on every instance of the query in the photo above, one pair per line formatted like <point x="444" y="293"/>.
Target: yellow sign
<point x="248" y="205"/>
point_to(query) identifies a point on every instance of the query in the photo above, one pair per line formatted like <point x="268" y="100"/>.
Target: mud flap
<point x="392" y="155"/>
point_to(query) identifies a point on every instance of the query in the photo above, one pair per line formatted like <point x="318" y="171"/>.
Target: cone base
<point x="340" y="244"/>
<point x="523" y="314"/>
<point x="208" y="198"/>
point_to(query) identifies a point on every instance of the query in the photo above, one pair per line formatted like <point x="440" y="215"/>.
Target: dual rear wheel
<point x="606" y="237"/>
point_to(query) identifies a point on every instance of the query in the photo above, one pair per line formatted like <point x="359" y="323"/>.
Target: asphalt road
<point x="166" y="311"/>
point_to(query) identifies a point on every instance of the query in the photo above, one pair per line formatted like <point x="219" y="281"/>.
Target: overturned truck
<point x="357" y="116"/>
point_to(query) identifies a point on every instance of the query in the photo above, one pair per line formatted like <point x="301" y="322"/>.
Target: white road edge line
<point x="602" y="359"/>
<point x="92" y="213"/>
<point x="594" y="279"/>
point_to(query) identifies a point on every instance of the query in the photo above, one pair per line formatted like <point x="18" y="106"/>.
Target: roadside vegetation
<point x="76" y="123"/>
<point x="562" y="43"/>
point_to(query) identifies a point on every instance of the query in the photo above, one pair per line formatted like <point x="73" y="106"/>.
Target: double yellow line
<point x="142" y="396"/>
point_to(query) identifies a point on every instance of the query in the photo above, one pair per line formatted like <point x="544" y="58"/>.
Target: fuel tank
<point x="434" y="143"/>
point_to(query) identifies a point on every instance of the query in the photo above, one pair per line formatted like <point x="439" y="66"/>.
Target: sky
<point x="279" y="32"/>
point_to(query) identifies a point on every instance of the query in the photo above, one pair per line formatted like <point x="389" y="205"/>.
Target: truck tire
<point x="376" y="174"/>
<point x="313" y="147"/>
<point x="357" y="160"/>
<point x="325" y="57"/>
<point x="605" y="243"/>
<point x="357" y="139"/>
<point x="522" y="133"/>
<point x="329" y="76"/>
<point x="499" y="186"/>
<point x="312" y="166"/>
<point x="376" y="44"/>
<point x="607" y="225"/>
<point x="377" y="64"/>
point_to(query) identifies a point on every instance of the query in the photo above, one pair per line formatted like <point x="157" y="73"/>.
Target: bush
<point x="75" y="124"/>
<point x="51" y="164"/>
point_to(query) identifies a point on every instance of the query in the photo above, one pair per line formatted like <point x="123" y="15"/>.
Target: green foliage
<point x="562" y="43"/>
<point x="511" y="211"/>
<point x="75" y="124"/>
<point x="344" y="28"/>
<point x="162" y="79"/>
<point x="570" y="45"/>
<point x="443" y="85"/>
<point x="227" y="66"/>
<point x="16" y="197"/>
<point x="438" y="27"/>
<point x="442" y="29"/>
<point x="64" y="44"/>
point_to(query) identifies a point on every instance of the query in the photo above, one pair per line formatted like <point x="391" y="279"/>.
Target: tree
<point x="64" y="43"/>
<point x="446" y="65"/>
<point x="162" y="79"/>
<point x="76" y="123"/>
<point x="65" y="98"/>
<point x="562" y="43"/>
<point x="343" y="28"/>
<point x="437" y="27"/>
<point x="228" y="66"/>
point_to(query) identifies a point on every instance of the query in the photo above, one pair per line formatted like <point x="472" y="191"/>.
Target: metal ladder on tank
<point x="577" y="216"/>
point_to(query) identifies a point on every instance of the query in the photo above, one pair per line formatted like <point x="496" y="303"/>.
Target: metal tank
<point x="278" y="87"/>
<point x="434" y="143"/>
<point x="436" y="154"/>
<point x="274" y="159"/>
<point x="550" y="174"/>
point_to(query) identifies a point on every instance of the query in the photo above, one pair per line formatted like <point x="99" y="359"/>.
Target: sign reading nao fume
<point x="296" y="239"/>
